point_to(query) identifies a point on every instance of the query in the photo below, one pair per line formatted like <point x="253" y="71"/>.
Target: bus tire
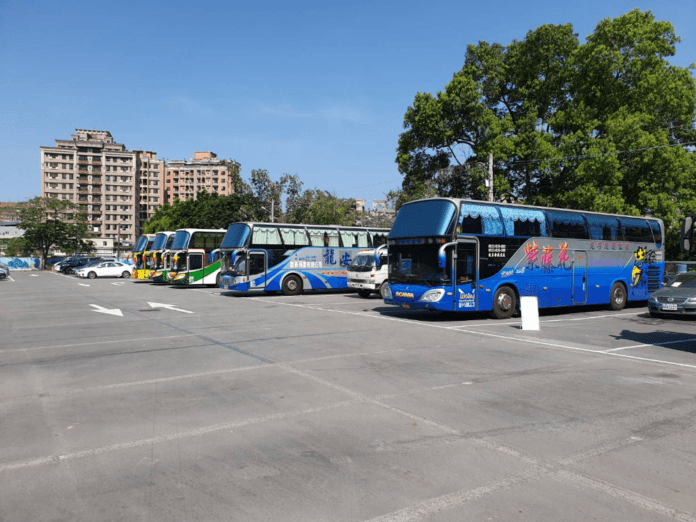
<point x="364" y="293"/>
<point x="217" y="279"/>
<point x="504" y="302"/>
<point x="617" y="296"/>
<point x="383" y="289"/>
<point x="292" y="285"/>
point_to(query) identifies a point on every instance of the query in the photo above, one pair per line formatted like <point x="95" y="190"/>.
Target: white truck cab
<point x="368" y="272"/>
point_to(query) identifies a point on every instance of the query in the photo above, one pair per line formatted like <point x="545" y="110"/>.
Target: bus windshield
<point x="416" y="264"/>
<point x="140" y="246"/>
<point x="158" y="243"/>
<point x="181" y="240"/>
<point x="237" y="236"/>
<point x="424" y="218"/>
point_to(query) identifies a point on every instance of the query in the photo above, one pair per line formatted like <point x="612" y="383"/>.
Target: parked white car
<point x="106" y="269"/>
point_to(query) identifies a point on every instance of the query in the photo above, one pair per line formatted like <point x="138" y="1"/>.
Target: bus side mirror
<point x="442" y="258"/>
<point x="687" y="234"/>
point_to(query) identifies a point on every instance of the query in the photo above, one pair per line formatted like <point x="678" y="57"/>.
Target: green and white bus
<point x="195" y="258"/>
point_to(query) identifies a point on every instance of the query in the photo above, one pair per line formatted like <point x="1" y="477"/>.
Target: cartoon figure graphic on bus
<point x="637" y="272"/>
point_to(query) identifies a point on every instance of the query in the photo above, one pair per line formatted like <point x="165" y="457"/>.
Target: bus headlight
<point x="433" y="296"/>
<point x="387" y="292"/>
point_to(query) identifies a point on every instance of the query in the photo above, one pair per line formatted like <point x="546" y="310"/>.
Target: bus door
<point x="256" y="262"/>
<point x="579" y="277"/>
<point x="195" y="264"/>
<point x="465" y="277"/>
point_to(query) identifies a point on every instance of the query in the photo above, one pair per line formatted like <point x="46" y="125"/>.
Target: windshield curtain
<point x="181" y="240"/>
<point x="159" y="241"/>
<point x="140" y="246"/>
<point x="417" y="264"/>
<point x="424" y="218"/>
<point x="237" y="236"/>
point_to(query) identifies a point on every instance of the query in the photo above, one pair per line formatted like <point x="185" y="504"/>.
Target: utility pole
<point x="118" y="243"/>
<point x="273" y="209"/>
<point x="490" y="177"/>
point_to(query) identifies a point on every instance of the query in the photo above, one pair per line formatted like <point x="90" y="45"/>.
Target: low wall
<point x="22" y="263"/>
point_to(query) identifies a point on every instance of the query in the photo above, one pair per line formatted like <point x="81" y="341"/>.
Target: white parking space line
<point x="8" y="277"/>
<point x="651" y="344"/>
<point x="496" y="322"/>
<point x="487" y="334"/>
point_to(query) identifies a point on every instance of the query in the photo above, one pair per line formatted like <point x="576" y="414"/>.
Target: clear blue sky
<point x="317" y="89"/>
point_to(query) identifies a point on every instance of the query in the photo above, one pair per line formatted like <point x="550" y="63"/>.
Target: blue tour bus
<point x="461" y="255"/>
<point x="292" y="258"/>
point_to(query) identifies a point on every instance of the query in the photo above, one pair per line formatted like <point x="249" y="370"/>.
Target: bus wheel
<point x="383" y="289"/>
<point x="364" y="293"/>
<point x="617" y="297"/>
<point x="217" y="280"/>
<point x="292" y="285"/>
<point x="504" y="302"/>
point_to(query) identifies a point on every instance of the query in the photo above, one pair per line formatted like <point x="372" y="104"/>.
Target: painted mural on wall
<point x="22" y="263"/>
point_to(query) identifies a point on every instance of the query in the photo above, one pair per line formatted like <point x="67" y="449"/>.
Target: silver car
<point x="677" y="297"/>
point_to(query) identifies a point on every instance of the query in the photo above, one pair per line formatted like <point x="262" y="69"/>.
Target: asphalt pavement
<point x="121" y="400"/>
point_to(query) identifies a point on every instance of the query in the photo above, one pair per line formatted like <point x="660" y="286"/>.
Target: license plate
<point x="406" y="306"/>
<point x="669" y="307"/>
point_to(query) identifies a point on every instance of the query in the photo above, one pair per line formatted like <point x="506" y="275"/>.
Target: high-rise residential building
<point x="105" y="180"/>
<point x="121" y="189"/>
<point x="183" y="179"/>
<point x="150" y="184"/>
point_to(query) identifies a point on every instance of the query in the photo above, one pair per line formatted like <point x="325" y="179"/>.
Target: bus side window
<point x="567" y="225"/>
<point x="471" y="225"/>
<point x="527" y="228"/>
<point x="604" y="228"/>
<point x="378" y="238"/>
<point x="636" y="229"/>
<point x="195" y="261"/>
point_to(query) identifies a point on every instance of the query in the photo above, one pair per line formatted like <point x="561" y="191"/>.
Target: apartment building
<point x="185" y="178"/>
<point x="104" y="178"/>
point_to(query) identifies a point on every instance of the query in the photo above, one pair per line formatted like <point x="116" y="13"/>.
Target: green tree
<point x="50" y="223"/>
<point x="319" y="207"/>
<point x="598" y="126"/>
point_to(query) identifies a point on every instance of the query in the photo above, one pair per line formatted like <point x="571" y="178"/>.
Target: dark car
<point x="70" y="266"/>
<point x="678" y="296"/>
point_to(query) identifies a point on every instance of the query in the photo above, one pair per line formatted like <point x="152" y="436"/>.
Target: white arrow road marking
<point x="168" y="307"/>
<point x="118" y="284"/>
<point x="82" y="284"/>
<point x="103" y="310"/>
<point x="33" y="275"/>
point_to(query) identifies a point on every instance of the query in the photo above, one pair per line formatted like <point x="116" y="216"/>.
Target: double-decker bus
<point x="292" y="258"/>
<point x="140" y="271"/>
<point x="155" y="256"/>
<point x="194" y="256"/>
<point x="461" y="255"/>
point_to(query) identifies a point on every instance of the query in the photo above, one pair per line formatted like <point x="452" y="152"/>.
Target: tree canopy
<point x="53" y="223"/>
<point x="604" y="125"/>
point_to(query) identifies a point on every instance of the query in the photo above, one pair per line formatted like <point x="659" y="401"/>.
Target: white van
<point x="368" y="272"/>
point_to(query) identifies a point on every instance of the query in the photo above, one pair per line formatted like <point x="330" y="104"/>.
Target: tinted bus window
<point x="604" y="228"/>
<point x="636" y="229"/>
<point x="206" y="240"/>
<point x="424" y="218"/>
<point x="294" y="237"/>
<point x="266" y="236"/>
<point x="567" y="225"/>
<point x="524" y="222"/>
<point x="657" y="233"/>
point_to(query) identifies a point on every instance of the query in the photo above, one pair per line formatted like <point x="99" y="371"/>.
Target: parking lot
<point x="120" y="400"/>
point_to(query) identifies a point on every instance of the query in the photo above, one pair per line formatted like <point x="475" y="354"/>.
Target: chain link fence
<point x="673" y="268"/>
